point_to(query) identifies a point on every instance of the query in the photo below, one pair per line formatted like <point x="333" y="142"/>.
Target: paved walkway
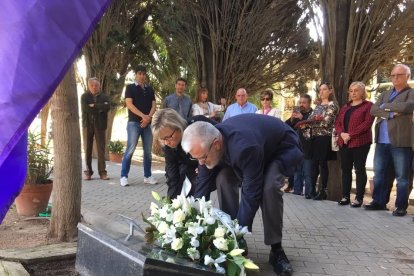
<point x="320" y="237"/>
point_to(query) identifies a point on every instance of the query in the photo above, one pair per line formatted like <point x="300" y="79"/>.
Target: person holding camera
<point x="303" y="171"/>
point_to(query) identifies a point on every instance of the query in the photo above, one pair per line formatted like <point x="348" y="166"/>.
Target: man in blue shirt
<point x="178" y="100"/>
<point x="241" y="106"/>
<point x="259" y="151"/>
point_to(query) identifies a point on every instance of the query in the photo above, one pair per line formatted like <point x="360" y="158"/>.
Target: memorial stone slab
<point x="104" y="252"/>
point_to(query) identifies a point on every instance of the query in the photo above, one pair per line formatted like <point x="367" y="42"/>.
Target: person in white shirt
<point x="203" y="107"/>
<point x="266" y="99"/>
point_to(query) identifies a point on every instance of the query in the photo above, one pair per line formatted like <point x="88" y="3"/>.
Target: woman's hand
<point x="346" y="137"/>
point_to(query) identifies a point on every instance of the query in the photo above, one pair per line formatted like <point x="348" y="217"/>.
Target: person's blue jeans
<point x="401" y="159"/>
<point x="134" y="131"/>
<point x="303" y="176"/>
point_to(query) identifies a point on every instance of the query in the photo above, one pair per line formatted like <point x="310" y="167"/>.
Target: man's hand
<point x="146" y="120"/>
<point x="297" y="115"/>
<point x="91" y="105"/>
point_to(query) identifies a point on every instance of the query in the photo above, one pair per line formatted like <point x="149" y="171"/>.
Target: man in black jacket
<point x="95" y="107"/>
<point x="303" y="171"/>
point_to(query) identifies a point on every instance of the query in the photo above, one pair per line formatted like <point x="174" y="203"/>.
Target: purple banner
<point x="39" y="40"/>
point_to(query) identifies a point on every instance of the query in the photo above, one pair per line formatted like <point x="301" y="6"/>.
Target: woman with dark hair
<point x="266" y="99"/>
<point x="353" y="126"/>
<point x="203" y="107"/>
<point x="318" y="128"/>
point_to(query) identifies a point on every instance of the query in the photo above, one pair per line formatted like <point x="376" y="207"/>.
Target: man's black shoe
<point x="374" y="206"/>
<point x="280" y="263"/>
<point x="399" y="212"/>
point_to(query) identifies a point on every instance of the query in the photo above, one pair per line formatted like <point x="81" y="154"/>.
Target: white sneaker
<point x="150" y="180"/>
<point x="124" y="181"/>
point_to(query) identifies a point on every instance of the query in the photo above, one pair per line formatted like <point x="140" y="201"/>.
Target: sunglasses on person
<point x="264" y="99"/>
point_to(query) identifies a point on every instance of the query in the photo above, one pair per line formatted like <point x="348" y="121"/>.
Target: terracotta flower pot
<point x="33" y="199"/>
<point x="115" y="157"/>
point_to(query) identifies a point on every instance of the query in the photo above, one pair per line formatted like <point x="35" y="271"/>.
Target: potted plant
<point x="37" y="188"/>
<point x="116" y="151"/>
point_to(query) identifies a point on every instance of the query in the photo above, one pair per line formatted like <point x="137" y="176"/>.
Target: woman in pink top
<point x="266" y="99"/>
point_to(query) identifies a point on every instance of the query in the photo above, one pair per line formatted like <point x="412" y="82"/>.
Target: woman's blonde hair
<point x="167" y="117"/>
<point x="361" y="85"/>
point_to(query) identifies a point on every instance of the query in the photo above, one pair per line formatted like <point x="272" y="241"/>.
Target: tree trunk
<point x="67" y="158"/>
<point x="44" y="115"/>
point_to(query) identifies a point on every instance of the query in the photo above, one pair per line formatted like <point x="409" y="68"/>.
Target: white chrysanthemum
<point x="221" y="244"/>
<point x="177" y="244"/>
<point x="178" y="216"/>
<point x="195" y="242"/>
<point x="220" y="232"/>
<point x="162" y="227"/>
<point x="193" y="253"/>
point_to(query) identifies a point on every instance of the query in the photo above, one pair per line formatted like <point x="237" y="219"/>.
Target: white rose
<point x="177" y="244"/>
<point x="220" y="232"/>
<point x="221" y="244"/>
<point x="178" y="216"/>
<point x="162" y="227"/>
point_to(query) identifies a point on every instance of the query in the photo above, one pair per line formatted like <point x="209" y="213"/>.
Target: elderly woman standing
<point x="203" y="107"/>
<point x="318" y="128"/>
<point x="266" y="99"/>
<point x="353" y="126"/>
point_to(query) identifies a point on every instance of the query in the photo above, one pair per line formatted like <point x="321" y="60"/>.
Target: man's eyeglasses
<point x="167" y="138"/>
<point x="264" y="99"/>
<point x="204" y="158"/>
<point x="397" y="75"/>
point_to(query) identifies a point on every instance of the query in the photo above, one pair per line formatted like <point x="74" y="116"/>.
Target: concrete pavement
<point x="320" y="237"/>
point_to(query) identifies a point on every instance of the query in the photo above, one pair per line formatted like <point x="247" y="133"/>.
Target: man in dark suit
<point x="259" y="151"/>
<point x="95" y="107"/>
